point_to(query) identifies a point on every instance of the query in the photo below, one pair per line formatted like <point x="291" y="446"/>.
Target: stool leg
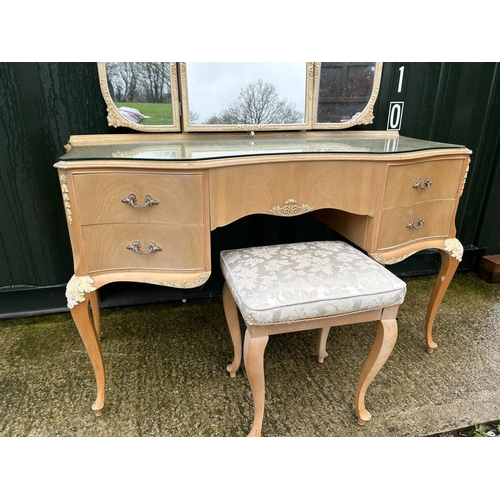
<point x="321" y="345"/>
<point x="387" y="333"/>
<point x="233" y="323"/>
<point x="253" y="353"/>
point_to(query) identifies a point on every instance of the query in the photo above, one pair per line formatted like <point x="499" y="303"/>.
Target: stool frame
<point x="256" y="338"/>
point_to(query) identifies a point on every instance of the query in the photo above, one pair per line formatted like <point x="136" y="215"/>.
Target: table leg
<point x="96" y="312"/>
<point x="387" y="333"/>
<point x="233" y="323"/>
<point x="254" y="363"/>
<point x="86" y="328"/>
<point x="451" y="255"/>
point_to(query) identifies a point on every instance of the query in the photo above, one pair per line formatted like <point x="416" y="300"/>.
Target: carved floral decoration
<point x="76" y="289"/>
<point x="290" y="209"/>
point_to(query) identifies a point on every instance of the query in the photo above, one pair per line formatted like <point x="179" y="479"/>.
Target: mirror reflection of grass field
<point x="159" y="113"/>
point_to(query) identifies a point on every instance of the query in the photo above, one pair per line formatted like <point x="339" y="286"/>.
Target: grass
<point x="159" y="113"/>
<point x="479" y="431"/>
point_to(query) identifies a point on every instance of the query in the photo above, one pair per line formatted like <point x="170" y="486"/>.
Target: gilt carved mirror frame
<point x="332" y="96"/>
<point x="118" y="119"/>
<point x="366" y="96"/>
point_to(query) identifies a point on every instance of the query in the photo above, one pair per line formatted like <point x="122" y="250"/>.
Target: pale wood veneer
<point x="105" y="246"/>
<point x="237" y="191"/>
<point x="99" y="197"/>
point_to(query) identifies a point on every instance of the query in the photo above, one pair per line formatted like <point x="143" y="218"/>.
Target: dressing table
<point x="141" y="206"/>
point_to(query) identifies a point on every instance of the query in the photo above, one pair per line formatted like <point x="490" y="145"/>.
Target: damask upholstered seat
<point x="303" y="286"/>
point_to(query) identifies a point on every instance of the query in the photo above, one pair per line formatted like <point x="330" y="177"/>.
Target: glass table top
<point x="193" y="147"/>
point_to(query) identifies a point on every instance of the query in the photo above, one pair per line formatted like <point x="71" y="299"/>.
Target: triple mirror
<point x="246" y="96"/>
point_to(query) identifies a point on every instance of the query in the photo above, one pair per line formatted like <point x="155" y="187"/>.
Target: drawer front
<point x="437" y="217"/>
<point x="106" y="247"/>
<point x="293" y="188"/>
<point x="99" y="198"/>
<point x="434" y="180"/>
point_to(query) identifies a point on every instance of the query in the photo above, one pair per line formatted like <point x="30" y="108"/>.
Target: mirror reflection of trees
<point x="258" y="103"/>
<point x="139" y="81"/>
<point x="141" y="91"/>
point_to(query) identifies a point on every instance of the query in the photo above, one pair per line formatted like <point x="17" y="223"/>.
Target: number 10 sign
<point x="395" y="116"/>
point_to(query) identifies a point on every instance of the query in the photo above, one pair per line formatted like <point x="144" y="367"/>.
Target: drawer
<point x="438" y="217"/>
<point x="279" y="188"/>
<point x="445" y="177"/>
<point x="106" y="246"/>
<point x="99" y="198"/>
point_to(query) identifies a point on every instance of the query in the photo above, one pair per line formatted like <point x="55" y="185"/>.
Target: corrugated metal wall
<point x="42" y="104"/>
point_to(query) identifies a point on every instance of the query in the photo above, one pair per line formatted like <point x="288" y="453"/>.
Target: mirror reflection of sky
<point x="213" y="86"/>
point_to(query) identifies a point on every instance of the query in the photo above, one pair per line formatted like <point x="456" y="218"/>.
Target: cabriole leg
<point x="85" y="325"/>
<point x="387" y="333"/>
<point x="233" y="323"/>
<point x="450" y="258"/>
<point x="96" y="312"/>
<point x="254" y="363"/>
<point x="321" y="345"/>
<point x="80" y="292"/>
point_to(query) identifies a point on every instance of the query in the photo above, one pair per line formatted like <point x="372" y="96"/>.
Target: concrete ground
<point x="166" y="373"/>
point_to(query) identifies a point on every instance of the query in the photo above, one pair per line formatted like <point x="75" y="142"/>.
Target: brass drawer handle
<point x="427" y="184"/>
<point x="148" y="201"/>
<point x="153" y="247"/>
<point x="411" y="224"/>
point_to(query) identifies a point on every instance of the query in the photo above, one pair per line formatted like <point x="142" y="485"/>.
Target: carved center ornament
<point x="290" y="209"/>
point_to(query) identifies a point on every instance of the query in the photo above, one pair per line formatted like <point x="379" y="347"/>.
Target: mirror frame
<point x="178" y="75"/>
<point x="365" y="117"/>
<point x="189" y="127"/>
<point x="116" y="119"/>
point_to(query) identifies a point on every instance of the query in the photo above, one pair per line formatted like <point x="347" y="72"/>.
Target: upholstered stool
<point x="304" y="286"/>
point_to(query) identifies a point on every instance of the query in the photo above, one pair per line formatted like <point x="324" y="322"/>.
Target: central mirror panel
<point x="249" y="96"/>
